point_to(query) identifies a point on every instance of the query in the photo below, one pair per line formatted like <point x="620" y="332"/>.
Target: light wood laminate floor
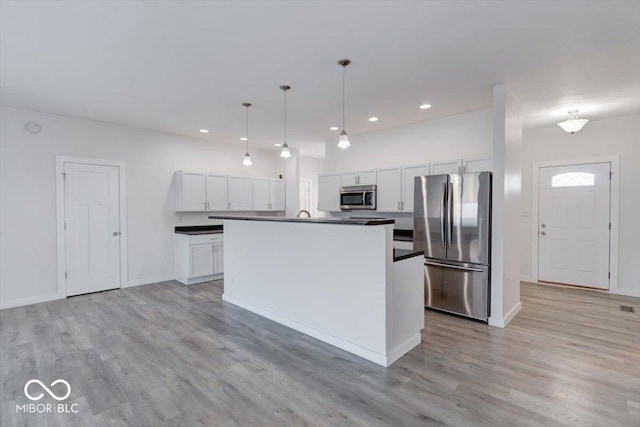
<point x="170" y="355"/>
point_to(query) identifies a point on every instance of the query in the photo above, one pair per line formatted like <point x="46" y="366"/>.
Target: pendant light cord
<point x="285" y="116"/>
<point x="247" y="126"/>
<point x="343" y="71"/>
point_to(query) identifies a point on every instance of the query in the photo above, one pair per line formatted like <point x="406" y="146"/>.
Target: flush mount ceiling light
<point x="574" y="123"/>
<point x="333" y="128"/>
<point x="425" y="106"/>
<point x="204" y="131"/>
<point x="343" y="141"/>
<point x="247" y="158"/>
<point x="284" y="152"/>
<point x="373" y="119"/>
<point x="243" y="139"/>
<point x="277" y="144"/>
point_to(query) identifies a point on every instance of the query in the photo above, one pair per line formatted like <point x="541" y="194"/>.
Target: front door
<point x="573" y="228"/>
<point x="92" y="228"/>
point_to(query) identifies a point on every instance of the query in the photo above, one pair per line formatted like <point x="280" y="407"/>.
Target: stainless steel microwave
<point x="358" y="197"/>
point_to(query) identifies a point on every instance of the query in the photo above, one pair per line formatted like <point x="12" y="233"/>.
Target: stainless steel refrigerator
<point x="452" y="225"/>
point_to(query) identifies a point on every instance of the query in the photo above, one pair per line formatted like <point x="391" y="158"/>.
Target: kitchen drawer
<point x="205" y="238"/>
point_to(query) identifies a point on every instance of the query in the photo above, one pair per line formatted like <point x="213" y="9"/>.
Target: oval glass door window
<point x="573" y="179"/>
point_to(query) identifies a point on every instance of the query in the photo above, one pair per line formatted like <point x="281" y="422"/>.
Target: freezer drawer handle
<point x="455" y="267"/>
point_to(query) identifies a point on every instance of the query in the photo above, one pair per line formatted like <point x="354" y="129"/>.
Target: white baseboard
<point x="365" y="353"/>
<point x="524" y="278"/>
<point x="627" y="292"/>
<point x="501" y="323"/>
<point x="148" y="281"/>
<point x="403" y="348"/>
<point x="19" y="302"/>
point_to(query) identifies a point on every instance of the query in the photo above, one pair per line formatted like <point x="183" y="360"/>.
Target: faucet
<point x="304" y="211"/>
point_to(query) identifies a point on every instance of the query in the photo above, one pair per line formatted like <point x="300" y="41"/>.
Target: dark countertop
<point x="403" y="235"/>
<point x="400" y="254"/>
<point x="337" y="221"/>
<point x="193" y="230"/>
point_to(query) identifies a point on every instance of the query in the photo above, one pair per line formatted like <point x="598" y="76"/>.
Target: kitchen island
<point x="332" y="279"/>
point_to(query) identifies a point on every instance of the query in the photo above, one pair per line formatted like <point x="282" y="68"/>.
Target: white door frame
<point x="614" y="206"/>
<point x="306" y="180"/>
<point x="60" y="217"/>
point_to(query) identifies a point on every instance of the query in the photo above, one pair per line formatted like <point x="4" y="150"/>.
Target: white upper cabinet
<point x="446" y="166"/>
<point x="216" y="192"/>
<point x="190" y="191"/>
<point x="367" y="177"/>
<point x="329" y="192"/>
<point x="363" y="177"/>
<point x="389" y="198"/>
<point x="240" y="193"/>
<point x="260" y="194"/>
<point x="395" y="187"/>
<point x="277" y="194"/>
<point x="408" y="183"/>
<point x="349" y="178"/>
<point x="478" y="165"/>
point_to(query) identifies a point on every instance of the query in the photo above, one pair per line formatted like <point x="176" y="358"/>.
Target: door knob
<point x="543" y="233"/>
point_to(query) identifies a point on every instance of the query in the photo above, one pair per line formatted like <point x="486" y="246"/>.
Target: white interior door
<point x="305" y="195"/>
<point x="92" y="221"/>
<point x="573" y="229"/>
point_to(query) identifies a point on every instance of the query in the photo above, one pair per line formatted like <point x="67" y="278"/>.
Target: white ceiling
<point x="182" y="66"/>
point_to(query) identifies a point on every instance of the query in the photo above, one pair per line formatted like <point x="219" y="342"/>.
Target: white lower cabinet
<point x="199" y="258"/>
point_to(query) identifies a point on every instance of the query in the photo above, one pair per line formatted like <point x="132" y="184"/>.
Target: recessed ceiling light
<point x="204" y="131"/>
<point x="333" y="128"/>
<point x="277" y="144"/>
<point x="243" y="139"/>
<point x="425" y="106"/>
<point x="373" y="119"/>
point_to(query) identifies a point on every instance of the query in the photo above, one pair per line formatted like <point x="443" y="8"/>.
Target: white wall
<point x="505" y="233"/>
<point x="618" y="136"/>
<point x="467" y="135"/>
<point x="27" y="193"/>
<point x="463" y="135"/>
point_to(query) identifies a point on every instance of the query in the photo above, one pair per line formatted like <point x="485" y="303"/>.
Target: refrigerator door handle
<point x="443" y="212"/>
<point x="455" y="267"/>
<point x="450" y="212"/>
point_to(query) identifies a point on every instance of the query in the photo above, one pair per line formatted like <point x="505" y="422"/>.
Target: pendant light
<point x="247" y="158"/>
<point x="343" y="141"/>
<point x="574" y="123"/>
<point x="284" y="152"/>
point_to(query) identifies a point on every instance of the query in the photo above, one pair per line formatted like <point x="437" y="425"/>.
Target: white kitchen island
<point x="332" y="279"/>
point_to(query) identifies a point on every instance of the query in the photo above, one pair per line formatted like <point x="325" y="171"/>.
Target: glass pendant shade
<point x="284" y="152"/>
<point x="573" y="124"/>
<point x="247" y="160"/>
<point x="343" y="141"/>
